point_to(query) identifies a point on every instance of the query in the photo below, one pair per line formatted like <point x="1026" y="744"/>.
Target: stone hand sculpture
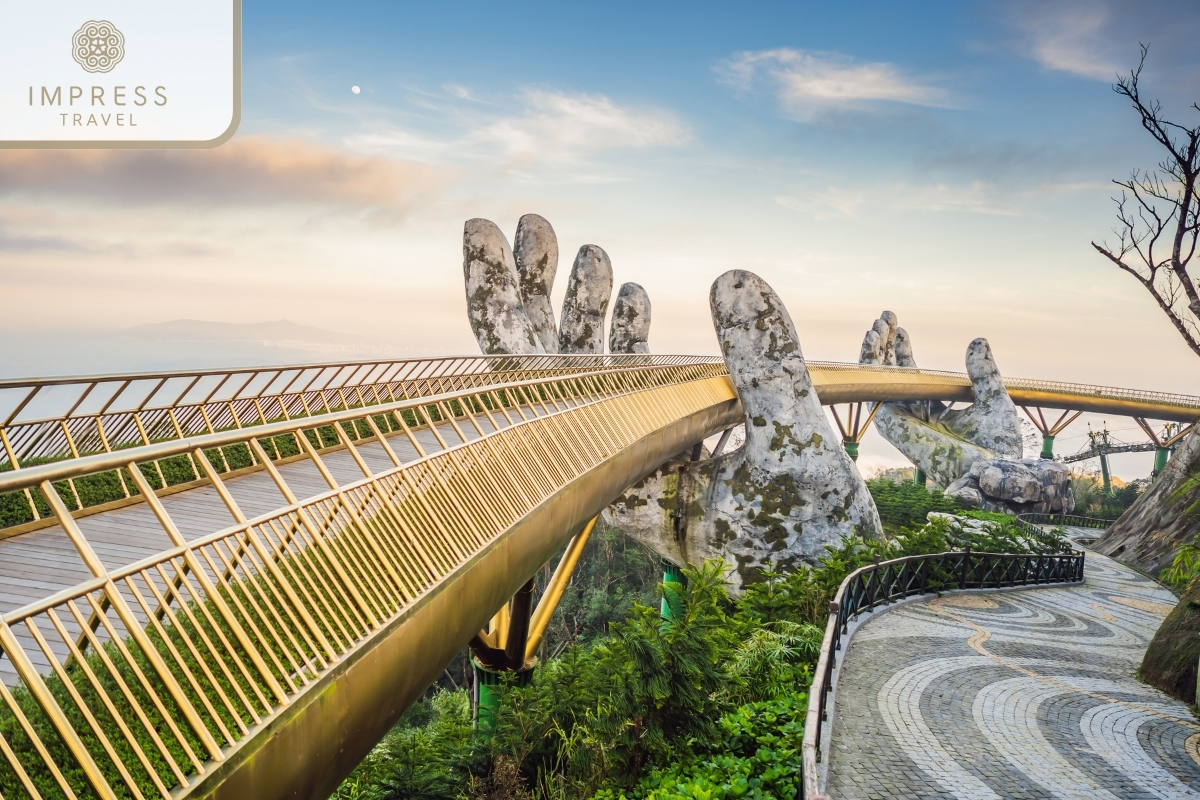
<point x="773" y="504"/>
<point x="508" y="295"/>
<point x="941" y="441"/>
<point x="790" y="490"/>
<point x="975" y="453"/>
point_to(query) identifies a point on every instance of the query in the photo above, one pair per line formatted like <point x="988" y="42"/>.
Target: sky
<point x="949" y="161"/>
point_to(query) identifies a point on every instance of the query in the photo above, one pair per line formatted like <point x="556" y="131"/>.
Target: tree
<point x="1158" y="220"/>
<point x="1158" y="214"/>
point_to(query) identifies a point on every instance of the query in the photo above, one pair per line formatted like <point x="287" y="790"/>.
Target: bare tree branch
<point x="1152" y="210"/>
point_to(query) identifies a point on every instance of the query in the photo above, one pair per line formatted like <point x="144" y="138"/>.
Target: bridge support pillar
<point x="488" y="685"/>
<point x="855" y="425"/>
<point x="919" y="477"/>
<point x="673" y="578"/>
<point x="507" y="652"/>
<point x="1104" y="473"/>
<point x="1161" y="456"/>
<point x="1048" y="446"/>
<point x="1049" y="430"/>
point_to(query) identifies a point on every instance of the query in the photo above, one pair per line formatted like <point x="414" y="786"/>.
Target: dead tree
<point x="1158" y="214"/>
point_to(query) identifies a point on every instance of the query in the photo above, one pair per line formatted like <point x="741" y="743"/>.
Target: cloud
<point x="248" y="170"/>
<point x="544" y="126"/>
<point x="836" y="201"/>
<point x="807" y="83"/>
<point x="1067" y="36"/>
<point x="1097" y="39"/>
<point x="560" y="126"/>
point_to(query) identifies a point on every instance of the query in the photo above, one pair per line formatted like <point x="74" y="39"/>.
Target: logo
<point x="98" y="46"/>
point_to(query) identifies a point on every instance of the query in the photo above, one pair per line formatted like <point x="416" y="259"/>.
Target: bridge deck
<point x="1025" y="694"/>
<point x="39" y="564"/>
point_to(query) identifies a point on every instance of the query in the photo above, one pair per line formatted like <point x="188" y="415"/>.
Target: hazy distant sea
<point x="181" y="344"/>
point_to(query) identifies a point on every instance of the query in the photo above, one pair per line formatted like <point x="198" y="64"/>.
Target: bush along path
<point x="709" y="703"/>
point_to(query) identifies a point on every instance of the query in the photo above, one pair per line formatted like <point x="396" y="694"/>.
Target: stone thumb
<point x="762" y="352"/>
<point x="985" y="376"/>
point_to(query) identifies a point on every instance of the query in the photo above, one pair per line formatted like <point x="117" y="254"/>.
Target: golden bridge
<point x="232" y="583"/>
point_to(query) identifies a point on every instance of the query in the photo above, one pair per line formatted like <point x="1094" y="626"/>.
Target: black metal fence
<point x="1066" y="519"/>
<point x="885" y="582"/>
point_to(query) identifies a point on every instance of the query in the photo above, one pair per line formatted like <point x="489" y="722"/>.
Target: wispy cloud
<point x="807" y="83"/>
<point x="561" y="126"/>
<point x="544" y="126"/>
<point x="839" y="201"/>
<point x="1070" y="36"/>
<point x="248" y="170"/>
<point x="974" y="197"/>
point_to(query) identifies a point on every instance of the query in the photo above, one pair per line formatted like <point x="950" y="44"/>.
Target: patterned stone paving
<point x="1027" y="694"/>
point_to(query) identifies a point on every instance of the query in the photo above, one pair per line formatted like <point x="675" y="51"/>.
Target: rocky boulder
<point x="1016" y="486"/>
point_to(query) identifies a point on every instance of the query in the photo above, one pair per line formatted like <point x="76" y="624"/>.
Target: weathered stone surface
<point x="1170" y="660"/>
<point x="941" y="441"/>
<point x="535" y="249"/>
<point x="630" y="329"/>
<point x="1148" y="532"/>
<point x="494" y="306"/>
<point x="1016" y="486"/>
<point x="1145" y="537"/>
<point x="992" y="420"/>
<point x="790" y="490"/>
<point x="581" y="329"/>
<point x="933" y="447"/>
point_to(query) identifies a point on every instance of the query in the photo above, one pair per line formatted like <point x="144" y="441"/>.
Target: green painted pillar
<point x="919" y="477"/>
<point x="851" y="448"/>
<point x="487" y="698"/>
<point x="1104" y="473"/>
<point x="1048" y="446"/>
<point x="1161" y="456"/>
<point x="487" y="692"/>
<point x="672" y="576"/>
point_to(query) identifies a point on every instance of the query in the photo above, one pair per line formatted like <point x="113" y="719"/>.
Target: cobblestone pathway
<point x="1026" y="694"/>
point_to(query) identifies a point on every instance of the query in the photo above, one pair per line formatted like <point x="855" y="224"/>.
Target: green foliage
<point x="906" y="504"/>
<point x="1007" y="534"/>
<point x="614" y="573"/>
<point x="431" y="753"/>
<point x="707" y="704"/>
<point x="755" y="755"/>
<point x="1185" y="566"/>
<point x="1092" y="501"/>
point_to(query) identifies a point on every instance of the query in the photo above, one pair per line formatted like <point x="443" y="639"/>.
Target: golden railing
<point x="849" y="383"/>
<point x="144" y="681"/>
<point x="52" y="419"/>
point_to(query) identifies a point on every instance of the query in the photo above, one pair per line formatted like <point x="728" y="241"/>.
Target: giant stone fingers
<point x="494" y="305"/>
<point x="974" y="452"/>
<point x="535" y="248"/>
<point x="581" y="329"/>
<point x="775" y="503"/>
<point x="630" y="330"/>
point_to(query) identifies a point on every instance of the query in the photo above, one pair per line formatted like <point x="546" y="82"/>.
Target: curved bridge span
<point x="293" y="554"/>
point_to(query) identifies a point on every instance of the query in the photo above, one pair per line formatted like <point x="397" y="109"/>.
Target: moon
<point x="355" y="89"/>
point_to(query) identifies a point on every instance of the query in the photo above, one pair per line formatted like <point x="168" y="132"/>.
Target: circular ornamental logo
<point x="98" y="46"/>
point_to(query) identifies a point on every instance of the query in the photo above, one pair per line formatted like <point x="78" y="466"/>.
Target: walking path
<point x="1020" y="694"/>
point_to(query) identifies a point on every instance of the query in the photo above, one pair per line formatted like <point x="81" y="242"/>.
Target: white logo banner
<point x="120" y="73"/>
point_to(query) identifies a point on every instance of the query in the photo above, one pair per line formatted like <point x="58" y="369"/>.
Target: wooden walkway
<point x="39" y="564"/>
